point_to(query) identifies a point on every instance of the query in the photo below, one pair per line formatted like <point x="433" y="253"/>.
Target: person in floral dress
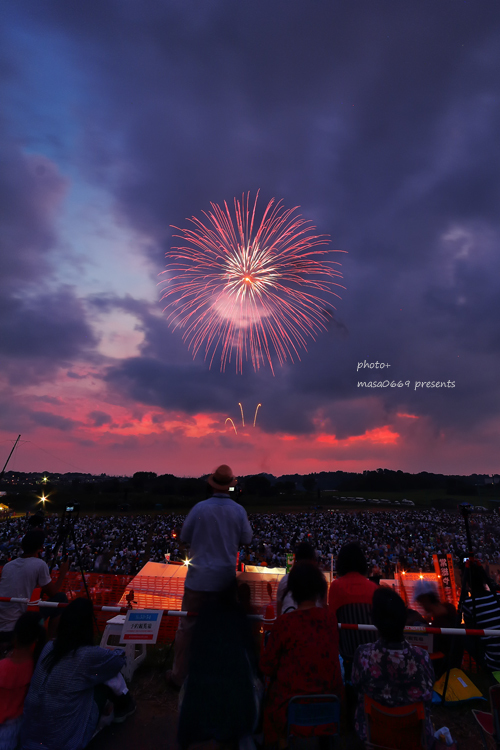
<point x="302" y="654"/>
<point x="391" y="671"/>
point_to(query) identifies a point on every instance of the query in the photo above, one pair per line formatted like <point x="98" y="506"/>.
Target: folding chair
<point x="314" y="716"/>
<point x="399" y="728"/>
<point x="489" y="723"/>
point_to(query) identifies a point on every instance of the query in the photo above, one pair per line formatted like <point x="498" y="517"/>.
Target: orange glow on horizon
<point x="379" y="435"/>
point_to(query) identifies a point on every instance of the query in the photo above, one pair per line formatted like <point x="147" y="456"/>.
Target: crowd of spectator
<point x="122" y="544"/>
<point x="68" y="688"/>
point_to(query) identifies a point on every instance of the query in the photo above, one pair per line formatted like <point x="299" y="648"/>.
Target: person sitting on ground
<point x="220" y="698"/>
<point x="391" y="671"/>
<point x="16" y="672"/>
<point x="350" y="599"/>
<point x="302" y="654"/>
<point x="482" y="610"/>
<point x="285" y="601"/>
<point x="20" y="577"/>
<point x="68" y="693"/>
<point x="440" y="615"/>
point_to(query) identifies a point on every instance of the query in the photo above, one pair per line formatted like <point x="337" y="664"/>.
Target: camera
<point x="75" y="507"/>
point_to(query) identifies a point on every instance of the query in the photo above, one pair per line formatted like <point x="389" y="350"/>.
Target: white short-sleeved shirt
<point x="19" y="578"/>
<point x="214" y="529"/>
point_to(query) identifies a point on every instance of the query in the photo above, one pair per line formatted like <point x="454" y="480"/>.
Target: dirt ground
<point x="155" y="722"/>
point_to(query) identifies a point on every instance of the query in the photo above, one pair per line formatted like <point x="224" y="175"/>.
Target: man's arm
<point x="54" y="586"/>
<point x="246" y="535"/>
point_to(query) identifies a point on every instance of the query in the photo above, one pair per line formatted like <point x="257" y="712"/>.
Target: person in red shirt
<point x="16" y="671"/>
<point x="350" y="599"/>
<point x="302" y="654"/>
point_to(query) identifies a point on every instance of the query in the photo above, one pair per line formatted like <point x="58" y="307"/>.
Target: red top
<point x="301" y="658"/>
<point x="353" y="588"/>
<point x="15" y="678"/>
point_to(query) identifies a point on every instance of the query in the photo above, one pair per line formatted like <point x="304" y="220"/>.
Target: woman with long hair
<point x="65" y="701"/>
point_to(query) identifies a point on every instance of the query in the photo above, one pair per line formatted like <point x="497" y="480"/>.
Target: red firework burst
<point x="249" y="291"/>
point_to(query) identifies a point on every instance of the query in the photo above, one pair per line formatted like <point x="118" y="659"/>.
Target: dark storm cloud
<point x="31" y="191"/>
<point x="16" y="416"/>
<point x="42" y="324"/>
<point x="47" y="419"/>
<point x="382" y="120"/>
<point x="190" y="389"/>
<point x="99" y="418"/>
<point x="46" y="326"/>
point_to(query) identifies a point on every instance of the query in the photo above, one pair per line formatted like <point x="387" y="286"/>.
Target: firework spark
<point x="234" y="426"/>
<point x="256" y="410"/>
<point x="249" y="291"/>
<point x="242" y="415"/>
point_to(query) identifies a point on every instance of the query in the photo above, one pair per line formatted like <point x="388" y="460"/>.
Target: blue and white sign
<point x="141" y="626"/>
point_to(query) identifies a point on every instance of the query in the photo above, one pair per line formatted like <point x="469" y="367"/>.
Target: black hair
<point x="478" y="579"/>
<point x="76" y="629"/>
<point x="431" y="597"/>
<point x="389" y="614"/>
<point x="351" y="560"/>
<point x="52" y="613"/>
<point x="29" y="631"/>
<point x="306" y="582"/>
<point x="305" y="551"/>
<point x="32" y="541"/>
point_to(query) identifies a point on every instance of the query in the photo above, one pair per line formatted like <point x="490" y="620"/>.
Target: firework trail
<point x="242" y="416"/>
<point x="249" y="290"/>
<point x="256" y="410"/>
<point x="234" y="426"/>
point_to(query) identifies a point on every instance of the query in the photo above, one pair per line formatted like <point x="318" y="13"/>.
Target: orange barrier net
<point x="151" y="592"/>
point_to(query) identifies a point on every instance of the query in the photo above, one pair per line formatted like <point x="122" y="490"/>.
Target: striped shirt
<point x="487" y="618"/>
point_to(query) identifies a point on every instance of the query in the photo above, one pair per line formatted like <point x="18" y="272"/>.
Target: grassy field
<point x="142" y="502"/>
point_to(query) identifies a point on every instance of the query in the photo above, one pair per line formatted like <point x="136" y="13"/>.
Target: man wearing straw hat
<point x="214" y="530"/>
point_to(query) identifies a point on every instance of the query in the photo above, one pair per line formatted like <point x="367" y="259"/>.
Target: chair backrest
<point x="349" y="640"/>
<point x="495" y="709"/>
<point x="399" y="728"/>
<point x="313" y="716"/>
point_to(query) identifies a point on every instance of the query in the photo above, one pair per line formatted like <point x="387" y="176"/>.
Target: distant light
<point x="404" y="572"/>
<point x="421" y="577"/>
<point x="187" y="562"/>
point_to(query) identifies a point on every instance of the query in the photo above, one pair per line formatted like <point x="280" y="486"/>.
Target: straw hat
<point x="222" y="478"/>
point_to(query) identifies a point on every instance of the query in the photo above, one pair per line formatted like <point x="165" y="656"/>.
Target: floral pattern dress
<point x="301" y="658"/>
<point x="393" y="675"/>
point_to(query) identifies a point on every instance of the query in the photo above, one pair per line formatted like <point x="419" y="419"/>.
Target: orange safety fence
<point x="149" y="592"/>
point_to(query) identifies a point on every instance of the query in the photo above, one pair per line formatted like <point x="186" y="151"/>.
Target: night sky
<point x="379" y="118"/>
